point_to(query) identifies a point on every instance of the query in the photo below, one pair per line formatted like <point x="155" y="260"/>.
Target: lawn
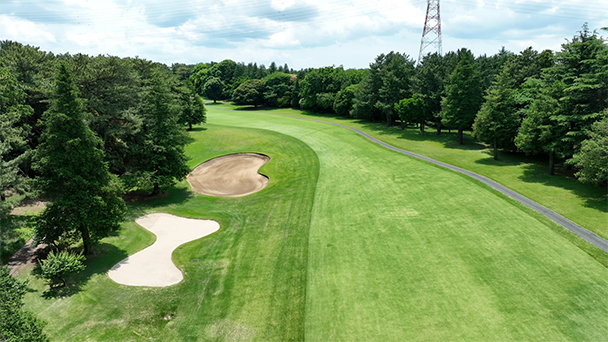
<point x="403" y="250"/>
<point x="349" y="242"/>
<point x="250" y="280"/>
<point x="584" y="204"/>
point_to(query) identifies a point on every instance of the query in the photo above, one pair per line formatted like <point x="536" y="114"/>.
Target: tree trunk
<point x="86" y="241"/>
<point x="214" y="101"/>
<point x="190" y="126"/>
<point x="460" y="137"/>
<point x="388" y="121"/>
<point x="156" y="189"/>
<point x="495" y="150"/>
<point x="439" y="126"/>
<point x="422" y="128"/>
<point x="551" y="163"/>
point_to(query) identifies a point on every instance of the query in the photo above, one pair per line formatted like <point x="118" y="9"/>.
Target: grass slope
<point x="402" y="250"/>
<point x="250" y="281"/>
<point x="581" y="203"/>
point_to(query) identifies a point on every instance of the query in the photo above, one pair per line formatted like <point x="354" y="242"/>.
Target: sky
<point x="302" y="34"/>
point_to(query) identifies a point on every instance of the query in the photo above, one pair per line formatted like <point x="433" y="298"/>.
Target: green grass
<point x="349" y="242"/>
<point x="584" y="204"/>
<point x="250" y="281"/>
<point x="402" y="250"/>
<point x="15" y="230"/>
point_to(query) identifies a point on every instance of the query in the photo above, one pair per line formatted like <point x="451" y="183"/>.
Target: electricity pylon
<point x="431" y="35"/>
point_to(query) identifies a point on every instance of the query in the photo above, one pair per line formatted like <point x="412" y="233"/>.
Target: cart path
<point x="587" y="235"/>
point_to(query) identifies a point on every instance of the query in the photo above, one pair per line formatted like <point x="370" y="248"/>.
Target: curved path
<point x="587" y="235"/>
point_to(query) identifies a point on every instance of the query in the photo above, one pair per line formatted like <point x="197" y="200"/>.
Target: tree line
<point x="81" y="131"/>
<point x="552" y="103"/>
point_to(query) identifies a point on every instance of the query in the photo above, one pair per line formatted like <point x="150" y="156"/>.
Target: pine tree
<point x="464" y="95"/>
<point x="497" y="121"/>
<point x="157" y="156"/>
<point x="73" y="175"/>
<point x="14" y="149"/>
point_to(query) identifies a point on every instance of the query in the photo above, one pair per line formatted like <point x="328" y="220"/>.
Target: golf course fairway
<point x="402" y="250"/>
<point x="349" y="241"/>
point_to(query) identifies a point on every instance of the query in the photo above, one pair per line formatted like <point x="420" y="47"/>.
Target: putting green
<point x="402" y="250"/>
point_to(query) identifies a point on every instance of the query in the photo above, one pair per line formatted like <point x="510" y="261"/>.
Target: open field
<point x="348" y="242"/>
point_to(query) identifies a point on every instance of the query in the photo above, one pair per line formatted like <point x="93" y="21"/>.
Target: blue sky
<point x="309" y="33"/>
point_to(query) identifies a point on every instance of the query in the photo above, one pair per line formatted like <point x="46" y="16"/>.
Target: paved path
<point x="573" y="227"/>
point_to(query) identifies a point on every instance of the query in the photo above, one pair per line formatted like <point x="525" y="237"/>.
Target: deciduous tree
<point x="213" y="89"/>
<point x="250" y="92"/>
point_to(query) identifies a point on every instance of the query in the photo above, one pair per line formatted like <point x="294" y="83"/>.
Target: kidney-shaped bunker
<point x="231" y="175"/>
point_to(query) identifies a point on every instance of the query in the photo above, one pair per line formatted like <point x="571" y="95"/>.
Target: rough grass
<point x="249" y="282"/>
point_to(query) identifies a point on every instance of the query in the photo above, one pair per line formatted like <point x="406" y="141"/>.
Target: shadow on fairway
<point x="106" y="256"/>
<point x="172" y="196"/>
<point x="197" y="129"/>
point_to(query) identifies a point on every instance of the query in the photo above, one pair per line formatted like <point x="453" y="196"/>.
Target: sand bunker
<point x="231" y="175"/>
<point x="153" y="266"/>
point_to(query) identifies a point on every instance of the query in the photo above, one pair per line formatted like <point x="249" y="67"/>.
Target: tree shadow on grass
<point x="10" y="239"/>
<point x="197" y="129"/>
<point x="106" y="256"/>
<point x="176" y="195"/>
<point x="594" y="197"/>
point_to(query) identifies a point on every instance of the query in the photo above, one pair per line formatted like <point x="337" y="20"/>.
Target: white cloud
<point x="303" y="33"/>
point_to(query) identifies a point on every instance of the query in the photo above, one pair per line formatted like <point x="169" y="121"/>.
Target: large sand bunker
<point x="153" y="266"/>
<point x="232" y="175"/>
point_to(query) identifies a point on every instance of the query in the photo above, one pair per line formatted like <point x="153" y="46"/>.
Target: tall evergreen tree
<point x="464" y="95"/>
<point x="497" y="121"/>
<point x="193" y="111"/>
<point x="390" y="79"/>
<point x="592" y="159"/>
<point x="573" y="95"/>
<point x="73" y="175"/>
<point x="14" y="150"/>
<point x="157" y="156"/>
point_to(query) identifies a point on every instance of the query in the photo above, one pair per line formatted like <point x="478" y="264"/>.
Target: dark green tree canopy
<point x="73" y="174"/>
<point x="157" y="155"/>
<point x="14" y="149"/>
<point x="413" y="110"/>
<point x="250" y="92"/>
<point x="592" y="159"/>
<point x="214" y="89"/>
<point x="463" y="95"/>
<point x="16" y="324"/>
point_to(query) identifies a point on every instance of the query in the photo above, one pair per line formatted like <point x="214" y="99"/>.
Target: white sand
<point x="153" y="266"/>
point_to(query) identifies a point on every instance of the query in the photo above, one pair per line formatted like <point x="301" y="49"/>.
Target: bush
<point x="17" y="324"/>
<point x="57" y="266"/>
